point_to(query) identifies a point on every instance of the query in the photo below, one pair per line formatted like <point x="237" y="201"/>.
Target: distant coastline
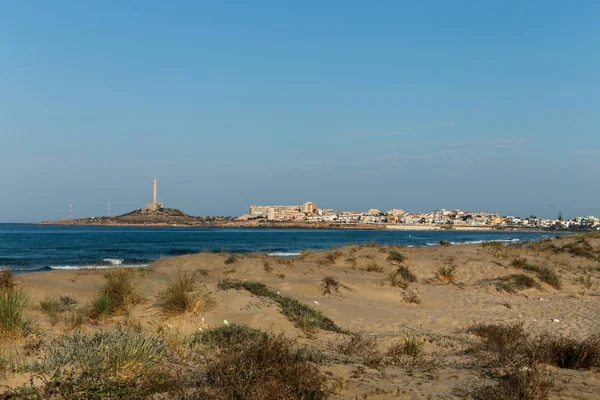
<point x="292" y="225"/>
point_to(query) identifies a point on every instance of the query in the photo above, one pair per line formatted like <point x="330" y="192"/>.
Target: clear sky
<point x="480" y="105"/>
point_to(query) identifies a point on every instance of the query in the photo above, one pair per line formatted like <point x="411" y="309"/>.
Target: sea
<point x="29" y="248"/>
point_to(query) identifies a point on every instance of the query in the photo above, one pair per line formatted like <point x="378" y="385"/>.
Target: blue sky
<point x="417" y="105"/>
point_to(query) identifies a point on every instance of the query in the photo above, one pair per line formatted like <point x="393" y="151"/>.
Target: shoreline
<point x="284" y="225"/>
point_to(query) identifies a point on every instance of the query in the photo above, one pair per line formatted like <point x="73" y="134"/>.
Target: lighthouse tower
<point x="154" y="205"/>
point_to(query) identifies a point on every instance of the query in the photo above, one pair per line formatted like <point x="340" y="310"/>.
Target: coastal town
<point x="309" y="212"/>
<point x="309" y="215"/>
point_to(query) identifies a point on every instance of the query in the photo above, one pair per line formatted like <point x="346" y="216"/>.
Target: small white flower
<point x="225" y="322"/>
<point x="278" y="293"/>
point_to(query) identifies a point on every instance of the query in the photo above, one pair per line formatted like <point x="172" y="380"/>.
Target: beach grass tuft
<point x="13" y="323"/>
<point x="446" y="274"/>
<point x="117" y="294"/>
<point x="185" y="293"/>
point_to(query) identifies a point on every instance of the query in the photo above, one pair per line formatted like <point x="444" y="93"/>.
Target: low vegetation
<point x="410" y="346"/>
<point x="374" y="267"/>
<point x="303" y="316"/>
<point x="330" y="258"/>
<point x="545" y="274"/>
<point x="117" y="295"/>
<point x="231" y="259"/>
<point x="330" y="285"/>
<point x="445" y="243"/>
<point x="6" y="279"/>
<point x="185" y="293"/>
<point x="396" y="256"/>
<point x="54" y="305"/>
<point x="515" y="282"/>
<point x="446" y="274"/>
<point x="502" y="345"/>
<point x="13" y="322"/>
<point x="259" y="366"/>
<point x="360" y="347"/>
<point x="401" y="277"/>
<point x="411" y="296"/>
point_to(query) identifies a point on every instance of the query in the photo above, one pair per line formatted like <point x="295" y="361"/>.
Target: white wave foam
<point x="284" y="254"/>
<point x="113" y="261"/>
<point x="78" y="267"/>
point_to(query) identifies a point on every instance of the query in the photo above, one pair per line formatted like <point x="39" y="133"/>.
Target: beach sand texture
<point x="367" y="302"/>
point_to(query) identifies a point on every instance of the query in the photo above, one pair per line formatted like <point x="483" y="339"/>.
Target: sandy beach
<point x="434" y="308"/>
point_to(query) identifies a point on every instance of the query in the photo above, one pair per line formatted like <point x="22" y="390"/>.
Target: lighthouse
<point x="154" y="205"/>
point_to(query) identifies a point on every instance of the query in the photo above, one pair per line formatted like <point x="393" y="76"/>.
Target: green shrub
<point x="184" y="293"/>
<point x="124" y="354"/>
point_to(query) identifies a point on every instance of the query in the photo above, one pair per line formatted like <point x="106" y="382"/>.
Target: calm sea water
<point x="27" y="248"/>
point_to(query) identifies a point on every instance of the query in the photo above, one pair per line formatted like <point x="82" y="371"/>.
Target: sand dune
<point x="367" y="302"/>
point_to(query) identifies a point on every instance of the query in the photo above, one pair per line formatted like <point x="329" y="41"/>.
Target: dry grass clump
<point x="515" y="282"/>
<point x="359" y="346"/>
<point x="303" y="316"/>
<point x="508" y="352"/>
<point x="6" y="279"/>
<point x="545" y="274"/>
<point x="330" y="285"/>
<point x="256" y="366"/>
<point x="267" y="266"/>
<point x="373" y="267"/>
<point x="397" y="280"/>
<point x="411" y="296"/>
<point x="54" y="305"/>
<point x="231" y="259"/>
<point x="184" y="293"/>
<point x="446" y="274"/>
<point x="284" y="261"/>
<point x="330" y="258"/>
<point x="401" y="277"/>
<point x="549" y="276"/>
<point x="445" y="243"/>
<point x="503" y="345"/>
<point x="118" y="294"/>
<point x="570" y="353"/>
<point x="351" y="261"/>
<point x="396" y="256"/>
<point x="524" y="383"/>
<point x="406" y="274"/>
